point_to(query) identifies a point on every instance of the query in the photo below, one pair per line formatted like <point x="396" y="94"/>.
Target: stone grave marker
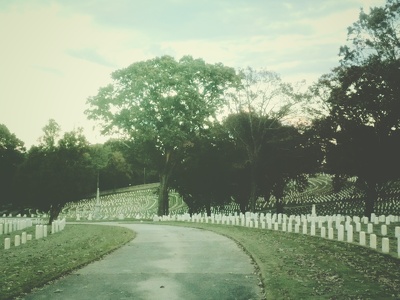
<point x="384" y="229"/>
<point x="397" y="231"/>
<point x="341" y="233"/>
<point x="17" y="240"/>
<point x="372" y="241"/>
<point x="385" y="245"/>
<point x="370" y="228"/>
<point x="350" y="233"/>
<point x="7" y="243"/>
<point x="362" y="238"/>
<point x="23" y="237"/>
<point x="323" y="232"/>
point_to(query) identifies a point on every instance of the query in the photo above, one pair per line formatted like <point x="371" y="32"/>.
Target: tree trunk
<point x="371" y="195"/>
<point x="208" y="208"/>
<point x="163" y="201"/>
<point x="243" y="206"/>
<point x="279" y="206"/>
<point x="253" y="189"/>
<point x="55" y="212"/>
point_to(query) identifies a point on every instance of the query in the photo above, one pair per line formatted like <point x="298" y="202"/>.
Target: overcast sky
<point x="55" y="54"/>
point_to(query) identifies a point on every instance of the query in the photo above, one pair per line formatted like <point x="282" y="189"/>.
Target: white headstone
<point x="398" y="246"/>
<point x="7" y="243"/>
<point x="370" y="228"/>
<point x="372" y="241"/>
<point x="362" y="238"/>
<point x="341" y="233"/>
<point x="23" y="237"/>
<point x="323" y="232"/>
<point x="397" y="231"/>
<point x="312" y="229"/>
<point x="305" y="230"/>
<point x="276" y="226"/>
<point x="385" y="245"/>
<point x="350" y="233"/>
<point x="384" y="229"/>
<point x="38" y="232"/>
<point x="17" y="240"/>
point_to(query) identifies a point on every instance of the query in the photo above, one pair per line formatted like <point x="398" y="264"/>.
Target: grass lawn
<point x="40" y="261"/>
<point x="297" y="266"/>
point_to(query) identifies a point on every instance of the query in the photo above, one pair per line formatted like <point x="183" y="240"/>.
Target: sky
<point x="54" y="54"/>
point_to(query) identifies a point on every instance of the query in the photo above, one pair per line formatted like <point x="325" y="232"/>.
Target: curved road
<point x="163" y="262"/>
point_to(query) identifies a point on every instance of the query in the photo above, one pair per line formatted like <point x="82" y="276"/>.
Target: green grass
<point x="297" y="266"/>
<point x="40" y="261"/>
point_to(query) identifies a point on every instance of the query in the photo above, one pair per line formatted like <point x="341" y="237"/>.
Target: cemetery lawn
<point x="40" y="261"/>
<point x="297" y="266"/>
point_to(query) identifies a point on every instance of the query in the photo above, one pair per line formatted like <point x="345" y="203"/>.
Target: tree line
<point x="216" y="134"/>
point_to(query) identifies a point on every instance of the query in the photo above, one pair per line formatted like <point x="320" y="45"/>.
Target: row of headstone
<point x="306" y="224"/>
<point x="40" y="232"/>
<point x="17" y="216"/>
<point x="58" y="225"/>
<point x="18" y="240"/>
<point x="121" y="206"/>
<point x="10" y="225"/>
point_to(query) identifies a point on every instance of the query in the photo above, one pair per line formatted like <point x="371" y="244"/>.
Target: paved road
<point x="163" y="262"/>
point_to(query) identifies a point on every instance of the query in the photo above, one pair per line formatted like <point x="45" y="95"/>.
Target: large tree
<point x="361" y="133"/>
<point x="162" y="102"/>
<point x="57" y="172"/>
<point x="262" y="101"/>
<point x="287" y="160"/>
<point x="250" y="132"/>
<point x="204" y="178"/>
<point x="12" y="153"/>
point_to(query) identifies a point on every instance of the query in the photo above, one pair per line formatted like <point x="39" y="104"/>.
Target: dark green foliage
<point x="162" y="103"/>
<point x="54" y="174"/>
<point x="204" y="177"/>
<point x="12" y="153"/>
<point x="272" y="156"/>
<point x="361" y="134"/>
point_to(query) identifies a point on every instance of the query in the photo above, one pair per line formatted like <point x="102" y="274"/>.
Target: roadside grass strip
<point x="298" y="266"/>
<point x="37" y="262"/>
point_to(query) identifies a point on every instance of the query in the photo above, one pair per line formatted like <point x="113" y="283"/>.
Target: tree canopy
<point x="163" y="102"/>
<point x="362" y="128"/>
<point x="12" y="153"/>
<point x="53" y="176"/>
<point x="260" y="104"/>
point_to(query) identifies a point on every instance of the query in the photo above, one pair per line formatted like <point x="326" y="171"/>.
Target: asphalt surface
<point x="163" y="262"/>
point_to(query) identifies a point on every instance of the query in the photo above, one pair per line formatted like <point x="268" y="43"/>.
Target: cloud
<point x="56" y="53"/>
<point x="90" y="55"/>
<point x="52" y="71"/>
